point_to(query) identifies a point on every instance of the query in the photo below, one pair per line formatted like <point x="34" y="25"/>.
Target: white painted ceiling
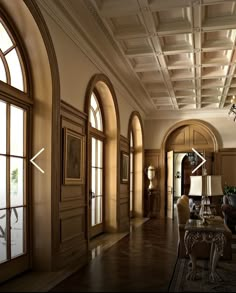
<point x="181" y="51"/>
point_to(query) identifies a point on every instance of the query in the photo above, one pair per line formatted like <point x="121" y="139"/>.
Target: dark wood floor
<point x="143" y="261"/>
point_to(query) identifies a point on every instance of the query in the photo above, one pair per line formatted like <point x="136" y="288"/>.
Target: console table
<point x="196" y="232"/>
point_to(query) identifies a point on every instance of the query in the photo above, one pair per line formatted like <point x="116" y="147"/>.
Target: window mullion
<point x="8" y="211"/>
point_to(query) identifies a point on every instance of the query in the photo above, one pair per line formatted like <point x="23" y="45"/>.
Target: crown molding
<point x="190" y="114"/>
<point x="64" y="14"/>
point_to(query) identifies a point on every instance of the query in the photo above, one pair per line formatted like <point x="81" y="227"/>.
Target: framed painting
<point x="124" y="167"/>
<point x="73" y="157"/>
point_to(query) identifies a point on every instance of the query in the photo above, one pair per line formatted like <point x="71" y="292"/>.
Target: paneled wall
<point x="72" y="222"/>
<point x="124" y="207"/>
<point x="188" y="137"/>
<point x="225" y="165"/>
<point x="152" y="157"/>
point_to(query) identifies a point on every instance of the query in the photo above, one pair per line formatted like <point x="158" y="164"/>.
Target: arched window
<point x="14" y="149"/>
<point x="95" y="116"/>
<point x="12" y="69"/>
<point x="97" y="168"/>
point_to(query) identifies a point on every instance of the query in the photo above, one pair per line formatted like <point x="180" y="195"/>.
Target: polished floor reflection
<point x="142" y="261"/>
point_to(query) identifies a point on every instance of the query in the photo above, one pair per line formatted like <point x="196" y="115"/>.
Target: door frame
<point x="216" y="144"/>
<point x="94" y="133"/>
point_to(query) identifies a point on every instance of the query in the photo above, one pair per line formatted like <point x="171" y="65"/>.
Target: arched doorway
<point x="135" y="136"/>
<point x="182" y="137"/>
<point x="108" y="137"/>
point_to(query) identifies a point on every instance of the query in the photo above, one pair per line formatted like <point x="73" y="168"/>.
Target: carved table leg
<point x="211" y="254"/>
<point x="214" y="277"/>
<point x="192" y="275"/>
<point x="190" y="239"/>
<point x="216" y="252"/>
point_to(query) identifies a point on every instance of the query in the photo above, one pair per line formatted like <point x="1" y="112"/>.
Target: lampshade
<point x="209" y="185"/>
<point x="197" y="185"/>
<point x="214" y="185"/>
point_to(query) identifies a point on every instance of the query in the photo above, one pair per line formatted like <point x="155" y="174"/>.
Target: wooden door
<point x="170" y="183"/>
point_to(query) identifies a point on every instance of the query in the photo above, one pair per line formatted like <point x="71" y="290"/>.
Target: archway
<point x="109" y="107"/>
<point x="182" y="137"/>
<point x="135" y="131"/>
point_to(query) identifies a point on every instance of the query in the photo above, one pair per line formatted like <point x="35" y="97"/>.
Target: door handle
<point x="91" y="195"/>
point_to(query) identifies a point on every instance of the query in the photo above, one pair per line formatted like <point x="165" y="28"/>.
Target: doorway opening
<point x="180" y="166"/>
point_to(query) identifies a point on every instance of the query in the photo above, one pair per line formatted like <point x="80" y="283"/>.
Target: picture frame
<point x="73" y="158"/>
<point x="124" y="167"/>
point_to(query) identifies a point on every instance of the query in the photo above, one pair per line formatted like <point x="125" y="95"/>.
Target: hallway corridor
<point x="143" y="261"/>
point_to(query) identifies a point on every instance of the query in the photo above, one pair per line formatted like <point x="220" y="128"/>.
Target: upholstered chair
<point x="229" y="211"/>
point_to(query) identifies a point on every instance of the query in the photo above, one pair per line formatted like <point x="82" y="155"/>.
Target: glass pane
<point x="3" y="236"/>
<point x="16" y="182"/>
<point x="3" y="76"/>
<point x="100" y="157"/>
<point x="99" y="121"/>
<point x="93" y="211"/>
<point x="15" y="70"/>
<point x="93" y="102"/>
<point x="92" y="119"/>
<point x="99" y="215"/>
<point x="3" y="127"/>
<point x="99" y="181"/>
<point x="93" y="179"/>
<point x="5" y="41"/>
<point x="94" y="151"/>
<point x="17" y="131"/>
<point x="17" y="231"/>
<point x="2" y="182"/>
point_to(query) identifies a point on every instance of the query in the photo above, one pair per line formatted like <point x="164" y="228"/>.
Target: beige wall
<point x="155" y="131"/>
<point x="76" y="68"/>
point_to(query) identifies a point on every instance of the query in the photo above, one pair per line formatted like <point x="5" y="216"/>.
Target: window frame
<point x="100" y="135"/>
<point x="23" y="100"/>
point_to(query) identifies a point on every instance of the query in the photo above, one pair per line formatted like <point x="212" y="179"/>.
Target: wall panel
<point x="225" y="162"/>
<point x="123" y="207"/>
<point x="72" y="227"/>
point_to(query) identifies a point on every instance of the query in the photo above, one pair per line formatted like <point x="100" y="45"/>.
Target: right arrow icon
<point x="203" y="160"/>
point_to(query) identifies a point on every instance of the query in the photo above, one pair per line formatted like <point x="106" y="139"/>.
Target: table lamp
<point x="205" y="186"/>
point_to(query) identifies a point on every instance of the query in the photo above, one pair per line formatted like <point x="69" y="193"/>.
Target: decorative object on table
<point x="205" y="186"/>
<point x="124" y="167"/>
<point x="73" y="157"/>
<point x="232" y="110"/>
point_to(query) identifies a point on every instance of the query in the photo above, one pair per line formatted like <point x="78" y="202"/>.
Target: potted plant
<point x="229" y="189"/>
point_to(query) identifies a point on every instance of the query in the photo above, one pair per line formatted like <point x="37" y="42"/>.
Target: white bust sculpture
<point x="151" y="173"/>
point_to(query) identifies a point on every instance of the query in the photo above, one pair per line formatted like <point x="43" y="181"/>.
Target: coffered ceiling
<point x="182" y="52"/>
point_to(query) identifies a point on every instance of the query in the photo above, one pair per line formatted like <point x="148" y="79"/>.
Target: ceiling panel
<point x="182" y="52"/>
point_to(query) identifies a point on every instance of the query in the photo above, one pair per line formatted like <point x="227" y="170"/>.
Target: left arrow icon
<point x="32" y="160"/>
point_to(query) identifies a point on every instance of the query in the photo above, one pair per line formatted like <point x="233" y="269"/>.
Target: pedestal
<point x="151" y="199"/>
